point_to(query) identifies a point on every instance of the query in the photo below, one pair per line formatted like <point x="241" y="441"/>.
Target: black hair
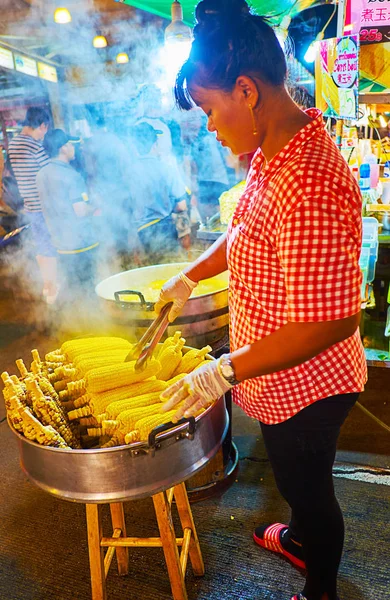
<point x="229" y="41"/>
<point x="35" y="116"/>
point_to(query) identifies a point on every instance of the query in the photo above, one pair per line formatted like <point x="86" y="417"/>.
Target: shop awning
<point x="280" y="8"/>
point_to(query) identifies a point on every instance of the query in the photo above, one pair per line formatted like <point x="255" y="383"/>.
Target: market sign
<point x="337" y="77"/>
<point x="47" y="72"/>
<point x="6" y="58"/>
<point x="370" y="18"/>
<point x="26" y="65"/>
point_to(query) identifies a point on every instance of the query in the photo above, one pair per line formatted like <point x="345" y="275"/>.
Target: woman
<point x="292" y="248"/>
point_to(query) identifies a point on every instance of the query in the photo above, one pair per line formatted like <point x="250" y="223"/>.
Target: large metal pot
<point x="172" y="454"/>
<point x="204" y="320"/>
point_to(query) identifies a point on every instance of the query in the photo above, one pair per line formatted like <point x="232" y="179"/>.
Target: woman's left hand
<point x="198" y="389"/>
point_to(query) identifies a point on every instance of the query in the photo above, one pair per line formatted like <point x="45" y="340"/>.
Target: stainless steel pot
<point x="172" y="454"/>
<point x="204" y="320"/>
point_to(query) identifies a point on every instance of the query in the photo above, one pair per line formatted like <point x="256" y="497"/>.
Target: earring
<point x="255" y="132"/>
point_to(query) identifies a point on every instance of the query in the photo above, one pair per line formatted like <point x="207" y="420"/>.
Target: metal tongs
<point x="143" y="350"/>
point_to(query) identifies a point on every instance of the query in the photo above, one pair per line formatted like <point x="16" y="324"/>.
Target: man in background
<point x="68" y="214"/>
<point x="27" y="157"/>
<point x="159" y="196"/>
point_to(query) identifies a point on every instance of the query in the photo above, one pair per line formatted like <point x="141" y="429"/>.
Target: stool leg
<point x="168" y="539"/>
<point x="187" y="520"/>
<point x="96" y="552"/>
<point x="118" y="522"/>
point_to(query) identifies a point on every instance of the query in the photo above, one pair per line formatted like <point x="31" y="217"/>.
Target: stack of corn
<point x="86" y="387"/>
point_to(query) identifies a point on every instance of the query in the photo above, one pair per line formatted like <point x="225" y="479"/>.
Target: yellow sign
<point x="47" y="72"/>
<point x="26" y="65"/>
<point x="6" y="58"/>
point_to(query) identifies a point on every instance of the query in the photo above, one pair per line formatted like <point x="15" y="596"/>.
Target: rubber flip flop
<point x="271" y="541"/>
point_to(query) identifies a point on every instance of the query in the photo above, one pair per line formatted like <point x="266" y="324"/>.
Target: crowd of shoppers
<point x="135" y="186"/>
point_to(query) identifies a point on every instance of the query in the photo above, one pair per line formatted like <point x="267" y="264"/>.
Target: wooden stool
<point x="119" y="542"/>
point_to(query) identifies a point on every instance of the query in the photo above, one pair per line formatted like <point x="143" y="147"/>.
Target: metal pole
<point x="341" y="12"/>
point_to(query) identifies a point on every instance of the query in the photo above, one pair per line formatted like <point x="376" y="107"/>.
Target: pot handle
<point x="190" y="422"/>
<point x="122" y="304"/>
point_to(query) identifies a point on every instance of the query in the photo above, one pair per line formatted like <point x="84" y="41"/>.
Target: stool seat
<point x="119" y="543"/>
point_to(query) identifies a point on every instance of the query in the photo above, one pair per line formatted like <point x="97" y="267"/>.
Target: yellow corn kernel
<point x="192" y="359"/>
<point x="99" y="402"/>
<point x="84" y="411"/>
<point x="118" y="439"/>
<point x="170" y="360"/>
<point x="108" y="378"/>
<point x="103" y="359"/>
<point x="45" y="435"/>
<point x="146" y="424"/>
<point x="50" y="413"/>
<point x="96" y="431"/>
<point x="127" y="419"/>
<point x="170" y="341"/>
<point x="22" y="368"/>
<point x="131" y="437"/>
<point x="76" y="388"/>
<point x="73" y="348"/>
<point x="114" y="408"/>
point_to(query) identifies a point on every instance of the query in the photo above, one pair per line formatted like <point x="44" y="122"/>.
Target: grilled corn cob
<point x="145" y="425"/>
<point x="44" y="435"/>
<point x="107" y="378"/>
<point x="192" y="359"/>
<point x="170" y="341"/>
<point x="49" y="413"/>
<point x="102" y="359"/>
<point x="126" y="420"/>
<point x="170" y="359"/>
<point x="73" y="348"/>
<point x="115" y="408"/>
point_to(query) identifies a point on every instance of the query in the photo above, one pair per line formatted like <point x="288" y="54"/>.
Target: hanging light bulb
<point x="62" y="16"/>
<point x="311" y="52"/>
<point x="122" y="58"/>
<point x="282" y="30"/>
<point x="177" y="31"/>
<point x="99" y="41"/>
<point x="382" y="121"/>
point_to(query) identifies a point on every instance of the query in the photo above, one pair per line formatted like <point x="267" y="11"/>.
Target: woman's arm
<point x="289" y="346"/>
<point x="210" y="263"/>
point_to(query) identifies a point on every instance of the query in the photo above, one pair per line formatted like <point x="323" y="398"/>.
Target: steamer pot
<point x="172" y="454"/>
<point x="204" y="320"/>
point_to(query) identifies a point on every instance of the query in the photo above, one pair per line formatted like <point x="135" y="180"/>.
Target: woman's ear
<point x="248" y="90"/>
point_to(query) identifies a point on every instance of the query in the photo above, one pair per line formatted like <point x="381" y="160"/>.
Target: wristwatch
<point x="227" y="370"/>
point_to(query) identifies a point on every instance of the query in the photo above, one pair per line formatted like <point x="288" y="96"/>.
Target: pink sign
<point x="372" y="17"/>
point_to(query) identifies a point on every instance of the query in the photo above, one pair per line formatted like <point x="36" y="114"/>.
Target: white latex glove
<point x="177" y="290"/>
<point x="198" y="389"/>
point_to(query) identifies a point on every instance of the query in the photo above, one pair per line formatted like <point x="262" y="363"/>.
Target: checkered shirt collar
<point x="307" y="132"/>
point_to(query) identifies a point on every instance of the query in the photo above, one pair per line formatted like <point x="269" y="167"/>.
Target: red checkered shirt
<point x="293" y="249"/>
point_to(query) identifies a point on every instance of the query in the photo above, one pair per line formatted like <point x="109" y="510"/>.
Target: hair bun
<point x="220" y="10"/>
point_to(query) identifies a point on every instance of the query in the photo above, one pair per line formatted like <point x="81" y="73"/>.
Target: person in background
<point x="159" y="196"/>
<point x="107" y="161"/>
<point x="27" y="157"/>
<point x="209" y="172"/>
<point x="297" y="363"/>
<point x="68" y="214"/>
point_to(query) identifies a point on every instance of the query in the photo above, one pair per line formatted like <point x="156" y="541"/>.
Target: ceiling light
<point x="382" y="121"/>
<point x="177" y="31"/>
<point x="99" y="41"/>
<point x="62" y="15"/>
<point x="122" y="58"/>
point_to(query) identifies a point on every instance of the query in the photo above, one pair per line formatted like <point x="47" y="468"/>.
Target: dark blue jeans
<point x="302" y="452"/>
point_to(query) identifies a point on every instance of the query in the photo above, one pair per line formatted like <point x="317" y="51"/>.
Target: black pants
<point x="302" y="452"/>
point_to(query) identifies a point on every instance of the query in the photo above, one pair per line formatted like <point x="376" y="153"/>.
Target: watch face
<point x="227" y="371"/>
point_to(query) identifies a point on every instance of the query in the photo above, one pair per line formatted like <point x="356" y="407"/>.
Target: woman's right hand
<point x="177" y="290"/>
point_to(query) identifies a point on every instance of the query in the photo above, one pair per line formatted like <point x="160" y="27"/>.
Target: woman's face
<point x="229" y="116"/>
